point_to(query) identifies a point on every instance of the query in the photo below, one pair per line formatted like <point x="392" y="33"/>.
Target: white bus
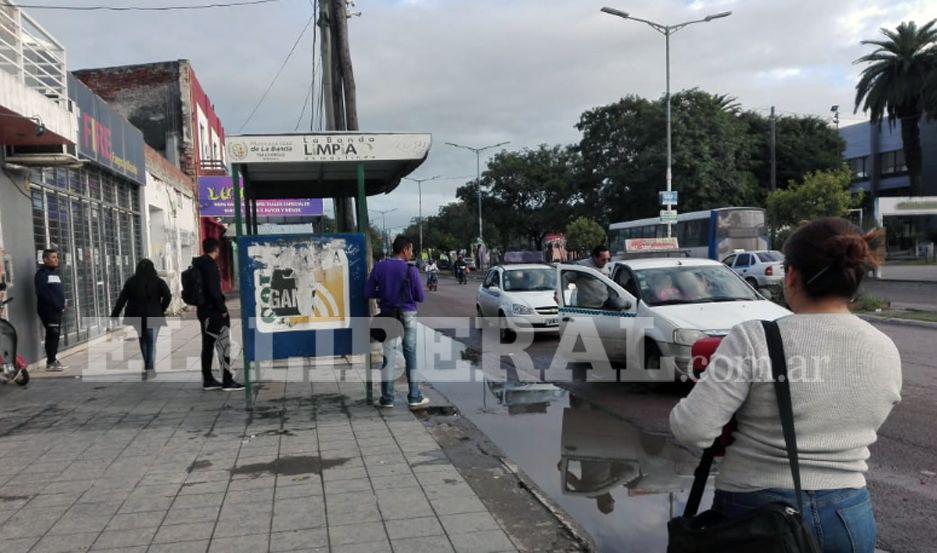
<point x="713" y="233"/>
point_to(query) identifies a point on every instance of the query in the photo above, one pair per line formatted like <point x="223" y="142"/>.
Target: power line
<point x="145" y="8"/>
<point x="277" y="76"/>
<point x="302" y="114"/>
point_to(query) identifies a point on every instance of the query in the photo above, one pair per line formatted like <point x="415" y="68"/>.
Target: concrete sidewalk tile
<point x="193" y="531"/>
<point x="397" y="481"/>
<point x="468" y="522"/>
<point x="347" y="486"/>
<point x="200" y="500"/>
<point x="426" y="544"/>
<point x="490" y="541"/>
<point x="18" y="545"/>
<point x="181" y="515"/>
<point x="197" y="488"/>
<point x="244" y="544"/>
<point x="299" y="519"/>
<point x="242" y="526"/>
<point x="368" y="547"/>
<point x="112" y="539"/>
<point x="74" y="542"/>
<point x="458" y="505"/>
<point x="144" y="504"/>
<point x="180" y="547"/>
<point x="303" y="540"/>
<point x="345" y="502"/>
<point x="448" y="490"/>
<point x="131" y="521"/>
<point x="414" y="528"/>
<point x="356" y="533"/>
<point x="300" y="489"/>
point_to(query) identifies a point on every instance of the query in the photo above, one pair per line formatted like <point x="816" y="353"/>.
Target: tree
<point x="893" y="86"/>
<point x="583" y="234"/>
<point x="820" y="194"/>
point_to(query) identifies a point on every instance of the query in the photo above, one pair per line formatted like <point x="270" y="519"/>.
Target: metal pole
<point x="363" y="228"/>
<point x="478" y="183"/>
<point x="419" y="185"/>
<point x="669" y="139"/>
<point x="236" y="189"/>
<point x="772" y="141"/>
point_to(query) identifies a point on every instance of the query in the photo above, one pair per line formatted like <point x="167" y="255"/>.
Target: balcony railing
<point x="31" y="54"/>
<point x="212" y="167"/>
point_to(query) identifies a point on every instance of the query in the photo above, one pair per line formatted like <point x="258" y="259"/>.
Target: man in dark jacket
<point x="50" y="303"/>
<point x="214" y="321"/>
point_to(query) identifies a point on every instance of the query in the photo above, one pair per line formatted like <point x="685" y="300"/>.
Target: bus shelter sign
<point x="292" y="148"/>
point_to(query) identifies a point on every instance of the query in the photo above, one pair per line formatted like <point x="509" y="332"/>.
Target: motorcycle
<point x="460" y="275"/>
<point x="12" y="366"/>
<point x="432" y="282"/>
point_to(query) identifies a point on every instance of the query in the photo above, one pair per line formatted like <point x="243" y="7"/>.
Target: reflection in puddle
<point x="619" y="482"/>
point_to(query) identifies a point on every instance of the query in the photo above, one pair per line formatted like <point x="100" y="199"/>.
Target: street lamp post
<point x="383" y="215"/>
<point x="478" y="176"/>
<point x="419" y="183"/>
<point x="667" y="30"/>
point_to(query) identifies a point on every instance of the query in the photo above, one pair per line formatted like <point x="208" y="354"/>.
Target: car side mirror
<point x="494" y="288"/>
<point x="618" y="303"/>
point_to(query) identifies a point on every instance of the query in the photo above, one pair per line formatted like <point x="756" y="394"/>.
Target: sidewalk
<point x="98" y="464"/>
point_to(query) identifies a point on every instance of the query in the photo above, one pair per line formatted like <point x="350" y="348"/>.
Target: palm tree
<point x="893" y="86"/>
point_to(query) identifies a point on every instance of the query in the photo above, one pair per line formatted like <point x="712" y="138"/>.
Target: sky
<point x="481" y="72"/>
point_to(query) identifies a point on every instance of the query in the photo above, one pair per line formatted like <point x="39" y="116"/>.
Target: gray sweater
<point x="845" y="378"/>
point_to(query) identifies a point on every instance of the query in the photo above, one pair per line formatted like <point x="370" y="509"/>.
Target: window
<point x="491" y="279"/>
<point x="692" y="284"/>
<point x="893" y="163"/>
<point x="729" y="260"/>
<point x="744" y="260"/>
<point x="859" y="167"/>
<point x="529" y="280"/>
<point x="625" y="278"/>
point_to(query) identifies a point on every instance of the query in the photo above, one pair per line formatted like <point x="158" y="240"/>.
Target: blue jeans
<point x="388" y="370"/>
<point x="841" y="520"/>
<point x="148" y="347"/>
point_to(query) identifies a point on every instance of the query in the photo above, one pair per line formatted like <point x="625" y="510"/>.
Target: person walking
<point x="397" y="286"/>
<point x="50" y="304"/>
<point x="214" y="320"/>
<point x="144" y="299"/>
<point x="845" y="378"/>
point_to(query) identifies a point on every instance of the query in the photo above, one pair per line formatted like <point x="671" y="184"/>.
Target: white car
<point x="759" y="268"/>
<point x="520" y="298"/>
<point x="676" y="302"/>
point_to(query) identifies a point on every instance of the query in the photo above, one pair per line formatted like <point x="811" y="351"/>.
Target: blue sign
<point x="668" y="198"/>
<point x="303" y="295"/>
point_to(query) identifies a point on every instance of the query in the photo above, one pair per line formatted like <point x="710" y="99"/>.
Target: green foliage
<point x="820" y="194"/>
<point x="582" y="234"/>
<point x="869" y="302"/>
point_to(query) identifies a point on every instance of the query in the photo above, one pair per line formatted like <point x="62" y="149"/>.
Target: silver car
<point x="760" y="268"/>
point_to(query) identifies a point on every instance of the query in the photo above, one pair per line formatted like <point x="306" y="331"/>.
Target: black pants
<point x="53" y="326"/>
<point x="216" y="338"/>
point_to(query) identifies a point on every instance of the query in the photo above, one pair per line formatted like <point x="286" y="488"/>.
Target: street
<point x="532" y="433"/>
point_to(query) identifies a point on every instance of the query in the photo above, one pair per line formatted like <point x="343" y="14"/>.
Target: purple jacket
<point x="387" y="285"/>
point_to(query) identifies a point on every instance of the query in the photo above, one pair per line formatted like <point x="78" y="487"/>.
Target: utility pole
<point x="338" y="81"/>
<point x="772" y="142"/>
<point x="478" y="177"/>
<point x="419" y="183"/>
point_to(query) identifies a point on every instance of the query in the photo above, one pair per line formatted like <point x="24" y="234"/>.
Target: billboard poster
<point x="328" y="147"/>
<point x="216" y="199"/>
<point x="294" y="286"/>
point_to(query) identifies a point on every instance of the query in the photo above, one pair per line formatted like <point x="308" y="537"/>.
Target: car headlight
<point x="687" y="336"/>
<point x="521" y="309"/>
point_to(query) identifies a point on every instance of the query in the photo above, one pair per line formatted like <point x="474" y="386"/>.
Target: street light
<point x="478" y="176"/>
<point x="419" y="183"/>
<point x="383" y="215"/>
<point x="667" y="30"/>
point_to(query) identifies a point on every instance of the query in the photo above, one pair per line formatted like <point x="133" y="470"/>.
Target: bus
<point x="713" y="233"/>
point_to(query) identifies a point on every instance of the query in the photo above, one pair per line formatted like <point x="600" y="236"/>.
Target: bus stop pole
<point x="363" y="228"/>
<point x="238" y="232"/>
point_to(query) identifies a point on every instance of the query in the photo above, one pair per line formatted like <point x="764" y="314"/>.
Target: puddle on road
<point x="619" y="482"/>
<point x="291" y="466"/>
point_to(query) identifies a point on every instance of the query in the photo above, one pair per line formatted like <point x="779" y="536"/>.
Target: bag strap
<point x="782" y="391"/>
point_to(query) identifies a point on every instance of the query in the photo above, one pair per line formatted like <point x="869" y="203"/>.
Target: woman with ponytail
<point x="146" y="297"/>
<point x="845" y="378"/>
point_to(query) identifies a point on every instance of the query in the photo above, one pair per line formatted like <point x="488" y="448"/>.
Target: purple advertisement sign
<point x="216" y="199"/>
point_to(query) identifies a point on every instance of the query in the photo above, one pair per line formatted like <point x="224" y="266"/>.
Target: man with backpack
<point x="397" y="286"/>
<point x="201" y="287"/>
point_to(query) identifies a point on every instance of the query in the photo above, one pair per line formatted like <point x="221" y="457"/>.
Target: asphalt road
<point x="904" y="460"/>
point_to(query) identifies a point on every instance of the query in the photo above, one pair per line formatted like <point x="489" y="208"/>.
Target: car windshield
<point x="529" y="280"/>
<point x="700" y="284"/>
<point x="770" y="256"/>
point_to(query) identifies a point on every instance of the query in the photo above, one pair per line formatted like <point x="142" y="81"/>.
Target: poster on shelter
<point x="301" y="285"/>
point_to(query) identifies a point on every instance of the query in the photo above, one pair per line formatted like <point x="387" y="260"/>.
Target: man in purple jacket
<point x="397" y="286"/>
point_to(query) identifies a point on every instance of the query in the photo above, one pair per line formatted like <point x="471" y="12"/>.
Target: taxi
<point x="650" y="311"/>
<point x="519" y="298"/>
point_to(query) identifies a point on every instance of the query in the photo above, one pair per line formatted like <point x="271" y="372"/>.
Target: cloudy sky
<point x="485" y="71"/>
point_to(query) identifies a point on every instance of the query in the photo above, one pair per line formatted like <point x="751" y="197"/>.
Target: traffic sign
<point x="668" y="216"/>
<point x="668" y="198"/>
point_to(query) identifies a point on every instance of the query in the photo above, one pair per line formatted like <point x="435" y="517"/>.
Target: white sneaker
<point x="417" y="405"/>
<point x="56" y="367"/>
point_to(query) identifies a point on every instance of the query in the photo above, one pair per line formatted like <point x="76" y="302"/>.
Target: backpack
<point x="193" y="293"/>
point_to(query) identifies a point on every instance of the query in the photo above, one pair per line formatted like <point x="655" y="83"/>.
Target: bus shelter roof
<point x="325" y="165"/>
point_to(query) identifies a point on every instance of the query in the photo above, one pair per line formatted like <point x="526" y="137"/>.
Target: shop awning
<point x="324" y="165"/>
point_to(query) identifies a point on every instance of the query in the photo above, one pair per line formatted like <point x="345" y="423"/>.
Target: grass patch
<point x="925" y="316"/>
<point x="869" y="303"/>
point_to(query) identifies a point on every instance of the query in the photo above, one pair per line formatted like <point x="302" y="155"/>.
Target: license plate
<point x="552" y="322"/>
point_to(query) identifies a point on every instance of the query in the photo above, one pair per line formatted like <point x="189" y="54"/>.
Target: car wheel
<point x="651" y="356"/>
<point x="22" y="378"/>
<point x="507" y="335"/>
<point x="753" y="282"/>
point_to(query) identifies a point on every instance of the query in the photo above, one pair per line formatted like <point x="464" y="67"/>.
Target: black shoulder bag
<point x="773" y="528"/>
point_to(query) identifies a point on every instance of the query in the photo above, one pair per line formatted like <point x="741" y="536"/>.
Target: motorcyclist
<point x="460" y="268"/>
<point x="432" y="273"/>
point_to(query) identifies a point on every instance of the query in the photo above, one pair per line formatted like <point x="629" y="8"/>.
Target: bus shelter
<point x="302" y="295"/>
